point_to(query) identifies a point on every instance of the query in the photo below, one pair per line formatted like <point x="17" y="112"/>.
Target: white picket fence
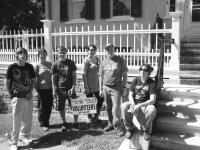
<point x="134" y="43"/>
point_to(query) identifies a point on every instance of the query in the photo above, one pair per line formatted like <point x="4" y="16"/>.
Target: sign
<point x="84" y="106"/>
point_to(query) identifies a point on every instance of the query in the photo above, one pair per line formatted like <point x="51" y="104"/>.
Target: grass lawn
<point x="92" y="138"/>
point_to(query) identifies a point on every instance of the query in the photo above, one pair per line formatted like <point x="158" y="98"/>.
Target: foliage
<point x="21" y="14"/>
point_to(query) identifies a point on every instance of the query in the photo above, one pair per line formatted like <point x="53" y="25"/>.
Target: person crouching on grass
<point x="142" y="97"/>
<point x="64" y="82"/>
<point x="20" y="80"/>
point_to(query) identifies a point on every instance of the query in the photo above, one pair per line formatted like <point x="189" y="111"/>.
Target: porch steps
<point x="190" y="61"/>
<point x="190" y="54"/>
<point x="178" y="119"/>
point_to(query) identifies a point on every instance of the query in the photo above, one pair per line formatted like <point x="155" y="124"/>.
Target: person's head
<point x="145" y="70"/>
<point x="21" y="54"/>
<point x="110" y="49"/>
<point x="92" y="50"/>
<point x="42" y="54"/>
<point x="62" y="51"/>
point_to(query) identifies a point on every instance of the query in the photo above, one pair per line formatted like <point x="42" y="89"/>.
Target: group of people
<point x="106" y="80"/>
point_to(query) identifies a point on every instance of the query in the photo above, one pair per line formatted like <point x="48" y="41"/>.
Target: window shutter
<point x="90" y="9"/>
<point x="136" y="8"/>
<point x="105" y="9"/>
<point x="64" y="10"/>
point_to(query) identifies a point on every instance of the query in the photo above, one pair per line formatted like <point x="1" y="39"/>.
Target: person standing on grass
<point x="142" y="97"/>
<point x="64" y="81"/>
<point x="113" y="78"/>
<point x="44" y="89"/>
<point x="20" y="80"/>
<point x="91" y="80"/>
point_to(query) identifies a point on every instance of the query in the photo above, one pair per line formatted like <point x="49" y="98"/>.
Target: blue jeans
<point x="112" y="97"/>
<point x="145" y="116"/>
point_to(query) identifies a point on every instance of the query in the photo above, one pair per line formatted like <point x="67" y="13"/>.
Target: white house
<point x="95" y="12"/>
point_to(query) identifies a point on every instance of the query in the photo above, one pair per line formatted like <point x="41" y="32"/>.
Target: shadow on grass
<point x="59" y="137"/>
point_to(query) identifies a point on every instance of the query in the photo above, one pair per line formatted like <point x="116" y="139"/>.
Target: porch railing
<point x="136" y="43"/>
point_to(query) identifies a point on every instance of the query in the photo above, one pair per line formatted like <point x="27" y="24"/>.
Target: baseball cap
<point x="146" y="67"/>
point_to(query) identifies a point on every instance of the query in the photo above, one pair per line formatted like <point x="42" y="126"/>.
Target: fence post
<point x="25" y="41"/>
<point x="47" y="25"/>
<point x="176" y="35"/>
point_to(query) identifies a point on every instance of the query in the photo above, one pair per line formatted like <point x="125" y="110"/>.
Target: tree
<point x="21" y="14"/>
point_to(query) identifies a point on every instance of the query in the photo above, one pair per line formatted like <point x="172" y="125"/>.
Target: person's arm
<point x="54" y="84"/>
<point x="8" y="86"/>
<point x="30" y="90"/>
<point x="85" y="77"/>
<point x="36" y="80"/>
<point x="74" y="80"/>
<point x="72" y="90"/>
<point x="124" y="81"/>
<point x="151" y="101"/>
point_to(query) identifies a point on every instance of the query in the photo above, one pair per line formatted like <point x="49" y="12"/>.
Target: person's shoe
<point x="65" y="126"/>
<point x="146" y="135"/>
<point x="120" y="131"/>
<point x="13" y="147"/>
<point x="44" y="128"/>
<point x="97" y="120"/>
<point x="129" y="133"/>
<point x="26" y="140"/>
<point x="108" y="128"/>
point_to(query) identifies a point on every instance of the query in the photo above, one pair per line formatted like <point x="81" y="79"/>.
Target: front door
<point x="191" y="18"/>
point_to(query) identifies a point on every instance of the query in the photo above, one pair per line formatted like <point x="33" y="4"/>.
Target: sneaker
<point x="146" y="135"/>
<point x="64" y="126"/>
<point x="120" y="131"/>
<point x="13" y="147"/>
<point x="26" y="140"/>
<point x="129" y="133"/>
<point x="44" y="128"/>
<point x="108" y="128"/>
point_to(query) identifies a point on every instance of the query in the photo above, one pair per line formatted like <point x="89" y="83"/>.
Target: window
<point x="76" y="9"/>
<point x="172" y="6"/>
<point x="112" y="8"/>
<point x="121" y="7"/>
<point x="196" y="10"/>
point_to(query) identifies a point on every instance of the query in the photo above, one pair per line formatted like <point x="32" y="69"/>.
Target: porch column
<point x="47" y="25"/>
<point x="176" y="35"/>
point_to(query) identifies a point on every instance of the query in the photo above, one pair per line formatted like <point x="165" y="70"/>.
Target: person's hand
<point x="86" y="91"/>
<point x="71" y="91"/>
<point x="124" y="92"/>
<point x="36" y="94"/>
<point x="134" y="108"/>
<point x="29" y="95"/>
<point x="55" y="94"/>
<point x="131" y="109"/>
<point x="101" y="93"/>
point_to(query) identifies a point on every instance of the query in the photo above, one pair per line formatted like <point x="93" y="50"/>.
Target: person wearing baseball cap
<point x="142" y="97"/>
